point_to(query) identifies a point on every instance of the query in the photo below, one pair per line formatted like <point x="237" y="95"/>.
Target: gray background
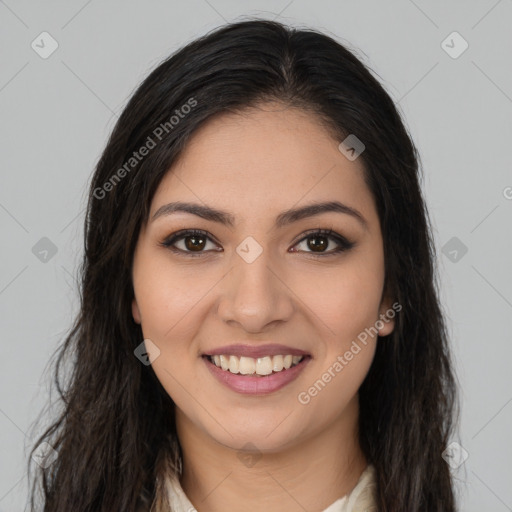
<point x="56" y="114"/>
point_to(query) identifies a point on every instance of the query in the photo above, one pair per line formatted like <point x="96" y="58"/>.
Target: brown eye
<point x="195" y="242"/>
<point x="192" y="241"/>
<point x="318" y="241"/>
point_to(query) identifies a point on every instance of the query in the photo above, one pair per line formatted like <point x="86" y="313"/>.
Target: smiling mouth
<point x="255" y="367"/>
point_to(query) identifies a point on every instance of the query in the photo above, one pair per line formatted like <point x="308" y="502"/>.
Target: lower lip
<point x="256" y="385"/>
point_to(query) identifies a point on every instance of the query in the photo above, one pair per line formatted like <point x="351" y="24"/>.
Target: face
<point x="257" y="281"/>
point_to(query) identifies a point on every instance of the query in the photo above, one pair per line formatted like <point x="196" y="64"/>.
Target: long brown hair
<point x="115" y="437"/>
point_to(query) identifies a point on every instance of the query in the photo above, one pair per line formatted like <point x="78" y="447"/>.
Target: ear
<point x="387" y="313"/>
<point x="136" y="311"/>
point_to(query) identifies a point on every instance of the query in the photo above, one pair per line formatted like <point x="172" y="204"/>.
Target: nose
<point x="256" y="295"/>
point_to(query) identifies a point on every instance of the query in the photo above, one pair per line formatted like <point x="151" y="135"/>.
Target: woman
<point x="260" y="326"/>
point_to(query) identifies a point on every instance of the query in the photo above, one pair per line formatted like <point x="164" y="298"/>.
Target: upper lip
<point x="255" y="351"/>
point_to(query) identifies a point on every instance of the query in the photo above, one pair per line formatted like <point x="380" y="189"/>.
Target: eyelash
<point x="344" y="244"/>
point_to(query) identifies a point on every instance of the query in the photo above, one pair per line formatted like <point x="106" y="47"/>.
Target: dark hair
<point x="115" y="436"/>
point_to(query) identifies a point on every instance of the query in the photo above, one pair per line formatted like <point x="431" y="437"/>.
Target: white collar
<point x="360" y="499"/>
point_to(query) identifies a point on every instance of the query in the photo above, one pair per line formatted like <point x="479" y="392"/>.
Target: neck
<point x="310" y="474"/>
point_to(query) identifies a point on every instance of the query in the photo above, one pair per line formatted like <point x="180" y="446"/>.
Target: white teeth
<point x="234" y="364"/>
<point x="264" y="365"/>
<point x="296" y="359"/>
<point x="278" y="363"/>
<point x="260" y="366"/>
<point x="224" y="362"/>
<point x="247" y="365"/>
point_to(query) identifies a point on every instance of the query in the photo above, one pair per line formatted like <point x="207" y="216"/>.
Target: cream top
<point x="360" y="499"/>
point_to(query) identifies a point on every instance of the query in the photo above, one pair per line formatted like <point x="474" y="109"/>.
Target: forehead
<point x="262" y="161"/>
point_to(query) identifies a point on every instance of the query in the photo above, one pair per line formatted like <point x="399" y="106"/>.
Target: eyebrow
<point x="283" y="219"/>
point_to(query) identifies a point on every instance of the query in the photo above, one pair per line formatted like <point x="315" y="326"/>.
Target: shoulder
<point x="363" y="498"/>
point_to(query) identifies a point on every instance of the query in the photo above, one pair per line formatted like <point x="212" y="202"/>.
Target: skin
<point x="255" y="166"/>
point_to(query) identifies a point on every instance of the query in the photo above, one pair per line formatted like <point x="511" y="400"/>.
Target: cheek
<point x="166" y="295"/>
<point x="345" y="299"/>
<point x="169" y="298"/>
<point x="346" y="310"/>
